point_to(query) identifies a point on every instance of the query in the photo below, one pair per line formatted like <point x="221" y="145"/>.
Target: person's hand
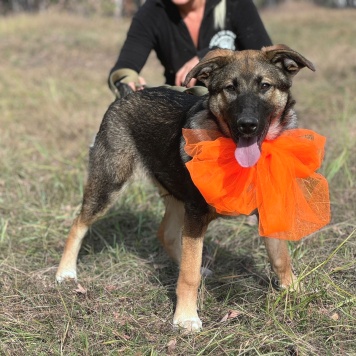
<point x="137" y="86"/>
<point x="122" y="89"/>
<point x="124" y="81"/>
<point x="182" y="72"/>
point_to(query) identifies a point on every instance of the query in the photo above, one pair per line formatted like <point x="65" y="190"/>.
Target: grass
<point x="53" y="93"/>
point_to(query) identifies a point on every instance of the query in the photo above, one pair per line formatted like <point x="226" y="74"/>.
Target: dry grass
<point x="53" y="94"/>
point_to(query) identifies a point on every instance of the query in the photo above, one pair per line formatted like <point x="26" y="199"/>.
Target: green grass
<point x="53" y="94"/>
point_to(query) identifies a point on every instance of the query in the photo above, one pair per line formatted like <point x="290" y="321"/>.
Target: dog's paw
<point x="295" y="286"/>
<point x="252" y="220"/>
<point x="292" y="284"/>
<point x="192" y="324"/>
<point x="63" y="275"/>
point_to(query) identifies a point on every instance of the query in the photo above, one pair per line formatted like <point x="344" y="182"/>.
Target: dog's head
<point x="250" y="93"/>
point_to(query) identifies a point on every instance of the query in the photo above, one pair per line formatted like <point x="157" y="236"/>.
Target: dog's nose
<point x="247" y="126"/>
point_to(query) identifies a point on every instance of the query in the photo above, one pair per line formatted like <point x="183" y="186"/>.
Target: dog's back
<point x="145" y="129"/>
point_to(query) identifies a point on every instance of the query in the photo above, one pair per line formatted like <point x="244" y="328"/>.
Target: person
<point x="181" y="32"/>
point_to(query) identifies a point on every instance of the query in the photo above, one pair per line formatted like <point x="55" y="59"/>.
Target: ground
<point x="53" y="93"/>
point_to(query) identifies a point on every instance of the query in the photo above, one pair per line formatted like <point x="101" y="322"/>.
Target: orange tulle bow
<point x="292" y="200"/>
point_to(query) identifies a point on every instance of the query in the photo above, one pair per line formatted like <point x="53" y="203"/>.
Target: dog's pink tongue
<point x="247" y="152"/>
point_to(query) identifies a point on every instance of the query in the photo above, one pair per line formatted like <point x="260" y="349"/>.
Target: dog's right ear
<point x="211" y="61"/>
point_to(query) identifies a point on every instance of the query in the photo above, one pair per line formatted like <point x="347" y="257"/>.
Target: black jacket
<point x="158" y="26"/>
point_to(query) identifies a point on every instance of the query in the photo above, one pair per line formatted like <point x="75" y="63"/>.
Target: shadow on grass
<point x="134" y="232"/>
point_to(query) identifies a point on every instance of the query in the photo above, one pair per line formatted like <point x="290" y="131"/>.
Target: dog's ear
<point x="286" y="58"/>
<point x="211" y="61"/>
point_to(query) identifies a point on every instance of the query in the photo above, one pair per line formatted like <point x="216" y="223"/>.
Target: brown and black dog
<point x="249" y="100"/>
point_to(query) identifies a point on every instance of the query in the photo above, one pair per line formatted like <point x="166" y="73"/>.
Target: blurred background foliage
<point x="125" y="8"/>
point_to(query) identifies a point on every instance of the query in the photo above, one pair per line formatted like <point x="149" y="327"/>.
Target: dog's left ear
<point x="212" y="60"/>
<point x="286" y="58"/>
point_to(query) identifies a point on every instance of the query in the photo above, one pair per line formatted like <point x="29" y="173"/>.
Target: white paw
<point x="66" y="274"/>
<point x="193" y="324"/>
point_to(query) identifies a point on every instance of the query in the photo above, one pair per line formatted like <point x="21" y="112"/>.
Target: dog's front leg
<point x="186" y="315"/>
<point x="280" y="260"/>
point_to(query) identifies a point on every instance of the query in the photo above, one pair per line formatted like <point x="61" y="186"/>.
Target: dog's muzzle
<point x="247" y="126"/>
<point x="248" y="149"/>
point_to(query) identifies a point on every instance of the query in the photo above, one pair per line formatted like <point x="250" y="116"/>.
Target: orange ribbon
<point x="292" y="200"/>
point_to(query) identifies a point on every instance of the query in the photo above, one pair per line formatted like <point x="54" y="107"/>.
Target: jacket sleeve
<point x="139" y="42"/>
<point x="249" y="28"/>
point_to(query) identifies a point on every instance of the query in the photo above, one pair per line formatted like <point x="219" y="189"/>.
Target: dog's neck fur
<point x="287" y="121"/>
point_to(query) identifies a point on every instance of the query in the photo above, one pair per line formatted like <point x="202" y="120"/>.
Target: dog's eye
<point x="230" y="88"/>
<point x="265" y="86"/>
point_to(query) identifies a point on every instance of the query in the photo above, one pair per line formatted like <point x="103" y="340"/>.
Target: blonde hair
<point x="220" y="15"/>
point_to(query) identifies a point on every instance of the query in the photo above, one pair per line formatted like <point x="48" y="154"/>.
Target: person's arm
<point x="135" y="51"/>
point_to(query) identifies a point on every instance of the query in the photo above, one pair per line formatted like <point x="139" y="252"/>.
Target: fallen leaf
<point x="335" y="316"/>
<point x="251" y="220"/>
<point x="172" y="345"/>
<point x="80" y="289"/>
<point x="116" y="315"/>
<point x="121" y="336"/>
<point x="206" y="272"/>
<point x="231" y="314"/>
<point x="158" y="266"/>
<point x="110" y="288"/>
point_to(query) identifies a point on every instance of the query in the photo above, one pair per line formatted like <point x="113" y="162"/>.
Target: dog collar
<point x="291" y="198"/>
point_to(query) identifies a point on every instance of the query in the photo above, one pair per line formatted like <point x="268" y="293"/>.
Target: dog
<point x="248" y="101"/>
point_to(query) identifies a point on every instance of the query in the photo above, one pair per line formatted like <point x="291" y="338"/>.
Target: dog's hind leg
<point x="67" y="267"/>
<point x="106" y="178"/>
<point x="280" y="260"/>
<point x="170" y="230"/>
